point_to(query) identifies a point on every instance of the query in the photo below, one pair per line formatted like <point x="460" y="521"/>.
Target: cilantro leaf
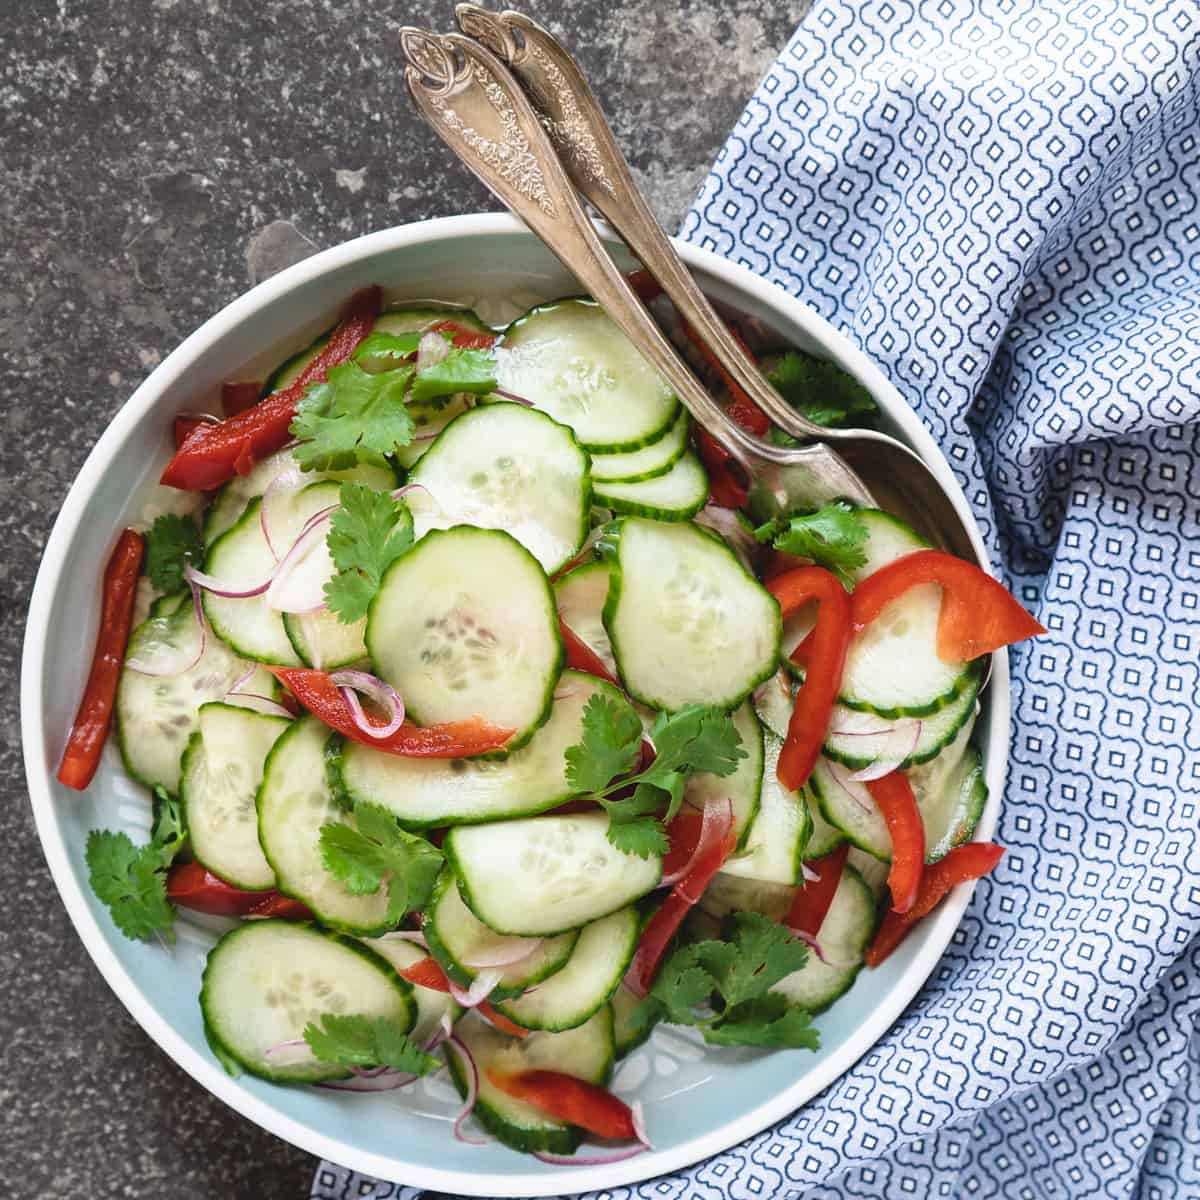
<point x="696" y="738"/>
<point x="376" y="849"/>
<point x="352" y="417"/>
<point x="818" y="389"/>
<point x="168" y="835"/>
<point x="681" y="986"/>
<point x="833" y="536"/>
<point x="758" y="954"/>
<point x="172" y="542"/>
<point x="612" y="738"/>
<point x="633" y="825"/>
<point x="460" y="371"/>
<point x="766" y="1021"/>
<point x="357" y="1041"/>
<point x="130" y="880"/>
<point x="387" y="347"/>
<point x="369" y="531"/>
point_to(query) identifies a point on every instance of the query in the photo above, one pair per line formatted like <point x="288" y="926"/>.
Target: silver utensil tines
<point x="483" y="113"/>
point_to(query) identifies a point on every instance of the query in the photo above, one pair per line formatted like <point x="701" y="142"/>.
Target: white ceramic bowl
<point x="405" y="1136"/>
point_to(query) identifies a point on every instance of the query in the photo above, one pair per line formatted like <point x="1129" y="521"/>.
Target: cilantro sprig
<point x="367" y="533"/>
<point x="172" y="543"/>
<point x="132" y="880"/>
<point x="356" y="1041"/>
<point x="723" y="987"/>
<point x="834" y="536"/>
<point x="819" y="389"/>
<point x="460" y="371"/>
<point x="374" y="851"/>
<point x="694" y="739"/>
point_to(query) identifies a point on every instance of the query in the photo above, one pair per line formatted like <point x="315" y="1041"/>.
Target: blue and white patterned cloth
<point x="999" y="201"/>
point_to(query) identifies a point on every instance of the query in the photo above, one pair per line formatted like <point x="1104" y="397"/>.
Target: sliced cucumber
<point x="580" y="595"/>
<point x="736" y="893"/>
<point x="266" y="980"/>
<point x="949" y="790"/>
<point x="743" y="788"/>
<point x="294" y="801"/>
<point x="464" y="625"/>
<point x="773" y="702"/>
<point x="843" y="937"/>
<point x="241" y="558"/>
<point x="573" y="362"/>
<point x="778" y="841"/>
<point x="457" y="937"/>
<point x="157" y="714"/>
<point x="503" y="466"/>
<point x="418" y="317"/>
<point x="874" y="873"/>
<point x="636" y="466"/>
<point x="428" y="792"/>
<point x="688" y="623"/>
<point x="585" y="1052"/>
<point x="230" y="502"/>
<point x="166" y="606"/>
<point x="289" y="370"/>
<point x="432" y="1006"/>
<point x="222" y="768"/>
<point x="429" y="420"/>
<point x="323" y="641"/>
<point x="857" y="739"/>
<point x="675" y="496"/>
<point x="571" y="995"/>
<point x="633" y="1021"/>
<point x="825" y="838"/>
<point x="888" y="538"/>
<point x="544" y="875"/>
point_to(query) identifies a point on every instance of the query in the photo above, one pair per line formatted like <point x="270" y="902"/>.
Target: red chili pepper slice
<point x="978" y="613"/>
<point x="237" y="397"/>
<point x="894" y="796"/>
<point x="191" y="886"/>
<point x="569" y="1099"/>
<point x="94" y="715"/>
<point x="825" y="658"/>
<point x="213" y="454"/>
<point x="581" y="657"/>
<point x="454" y="739"/>
<point x="972" y="861"/>
<point x="812" y="902"/>
<point x="427" y="973"/>
<point x="463" y="337"/>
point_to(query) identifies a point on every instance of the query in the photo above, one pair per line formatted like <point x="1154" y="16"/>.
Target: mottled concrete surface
<point x="146" y="150"/>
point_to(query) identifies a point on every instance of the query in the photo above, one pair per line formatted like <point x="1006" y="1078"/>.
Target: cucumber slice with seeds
<point x="571" y="995"/>
<point x="580" y="595"/>
<point x="574" y="363"/>
<point x="743" y="788"/>
<point x="464" y="625"/>
<point x="157" y="714"/>
<point x="825" y="838"/>
<point x="676" y="496"/>
<point x="545" y="875"/>
<point x="429" y="792"/>
<point x="632" y="1021"/>
<point x="454" y="935"/>
<point x="266" y="980"/>
<point x="636" y="466"/>
<point x="432" y="1005"/>
<point x="429" y="420"/>
<point x="222" y="768"/>
<point x="503" y="466"/>
<point x="323" y="641"/>
<point x="688" y="623"/>
<point x="888" y="538"/>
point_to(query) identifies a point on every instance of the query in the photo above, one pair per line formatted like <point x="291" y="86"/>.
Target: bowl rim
<point x="938" y="929"/>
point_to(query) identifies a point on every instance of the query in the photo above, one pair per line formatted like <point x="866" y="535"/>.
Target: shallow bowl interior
<point x="492" y="262"/>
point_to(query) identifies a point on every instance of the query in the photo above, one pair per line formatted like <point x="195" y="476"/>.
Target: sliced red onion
<point x="141" y="667"/>
<point x="512" y="396"/>
<point x="808" y="874"/>
<point x="431" y="349"/>
<point x="903" y="743"/>
<point x="842" y="778"/>
<point x="406" y="935"/>
<point x="257" y="703"/>
<point x="444" y="1028"/>
<point x="564" y="693"/>
<point x="481" y="987"/>
<point x="372" y="1080"/>
<point x="290" y="480"/>
<point x="815" y="946"/>
<point x="472" y="1093"/>
<point x="639" y="1124"/>
<point x="401" y="492"/>
<point x="711" y="830"/>
<point x="298" y="585"/>
<point x="350" y="683"/>
<point x="289" y="1053"/>
<point x="504" y="954"/>
<point x="210" y="583"/>
<point x="588" y="1160"/>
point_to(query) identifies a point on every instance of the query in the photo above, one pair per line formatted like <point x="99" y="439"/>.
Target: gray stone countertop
<point x="150" y="151"/>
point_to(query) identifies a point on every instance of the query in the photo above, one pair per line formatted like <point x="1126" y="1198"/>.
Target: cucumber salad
<point x="472" y="697"/>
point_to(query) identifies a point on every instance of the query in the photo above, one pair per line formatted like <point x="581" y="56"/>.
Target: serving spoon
<point x="478" y="107"/>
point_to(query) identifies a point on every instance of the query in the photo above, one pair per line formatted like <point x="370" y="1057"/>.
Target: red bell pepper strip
<point x="454" y="739"/>
<point x="825" y="658"/>
<point x="894" y="796"/>
<point x="237" y="397"/>
<point x="94" y="715"/>
<point x="569" y="1099"/>
<point x="464" y="338"/>
<point x="812" y="901"/>
<point x="184" y="426"/>
<point x="191" y="886"/>
<point x="581" y="657"/>
<point x="213" y="454"/>
<point x="741" y="408"/>
<point x="427" y="973"/>
<point x="972" y="861"/>
<point x="645" y="285"/>
<point x="978" y="613"/>
<point x="663" y="926"/>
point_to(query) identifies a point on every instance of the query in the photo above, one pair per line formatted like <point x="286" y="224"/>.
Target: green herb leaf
<point x="376" y="849"/>
<point x="766" y="1021"/>
<point x="369" y="531"/>
<point x="387" y="347"/>
<point x="834" y="536"/>
<point x="612" y="739"/>
<point x="168" y="835"/>
<point x="818" y="389"/>
<point x="633" y="824"/>
<point x="357" y="1041"/>
<point x="695" y="738"/>
<point x="460" y="371"/>
<point x="681" y="987"/>
<point x="130" y="880"/>
<point x="763" y="953"/>
<point x="171" y="544"/>
<point x="352" y="417"/>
